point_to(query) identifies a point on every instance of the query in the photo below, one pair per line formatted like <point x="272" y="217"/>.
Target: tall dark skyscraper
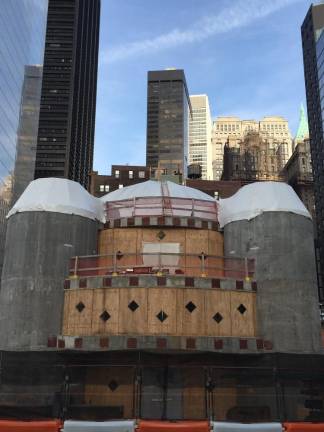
<point x="168" y="110"/>
<point x="68" y="102"/>
<point x="313" y="51"/>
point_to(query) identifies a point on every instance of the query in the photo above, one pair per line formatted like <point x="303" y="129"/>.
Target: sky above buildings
<point x="246" y="55"/>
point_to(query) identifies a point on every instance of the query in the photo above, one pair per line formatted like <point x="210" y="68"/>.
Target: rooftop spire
<point x="302" y="131"/>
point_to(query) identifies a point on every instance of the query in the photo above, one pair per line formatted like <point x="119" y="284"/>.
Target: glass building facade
<point x="313" y="52"/>
<point x="168" y="109"/>
<point x="22" y="39"/>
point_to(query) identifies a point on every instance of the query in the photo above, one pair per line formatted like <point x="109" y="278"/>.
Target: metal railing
<point x="161" y="206"/>
<point x="162" y="263"/>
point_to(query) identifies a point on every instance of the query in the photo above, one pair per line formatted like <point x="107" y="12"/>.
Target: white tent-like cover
<point x="59" y="196"/>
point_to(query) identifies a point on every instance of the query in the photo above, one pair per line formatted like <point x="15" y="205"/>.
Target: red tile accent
<point x="243" y="344"/>
<point x="131" y="221"/>
<point x="218" y="344"/>
<point x="176" y="221"/>
<point x="191" y="222"/>
<point x="146" y="221"/>
<point x="259" y="344"/>
<point x="82" y="283"/>
<point x="78" y="343"/>
<point x="254" y="286"/>
<point x="215" y="283"/>
<point x="268" y="345"/>
<point x="161" y="343"/>
<point x="161" y="281"/>
<point x="204" y="225"/>
<point x="61" y="343"/>
<point x="191" y="343"/>
<point x="52" y="342"/>
<point x="67" y="284"/>
<point x="133" y="281"/>
<point x="104" y="342"/>
<point x="189" y="282"/>
<point x="239" y="284"/>
<point x="178" y="272"/>
<point x="131" y="343"/>
<point x="106" y="282"/>
<point x="161" y="220"/>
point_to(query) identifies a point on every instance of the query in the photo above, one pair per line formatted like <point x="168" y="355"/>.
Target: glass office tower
<point x="313" y="52"/>
<point x="168" y="107"/>
<point x="22" y="39"/>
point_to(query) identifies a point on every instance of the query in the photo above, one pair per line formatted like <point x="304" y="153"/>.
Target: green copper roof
<point x="302" y="131"/>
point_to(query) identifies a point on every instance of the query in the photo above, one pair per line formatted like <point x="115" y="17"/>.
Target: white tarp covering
<point x="107" y="426"/>
<point x="59" y="196"/>
<point x="152" y="188"/>
<point x="256" y="198"/>
<point x="166" y="260"/>
<point x="240" y="427"/>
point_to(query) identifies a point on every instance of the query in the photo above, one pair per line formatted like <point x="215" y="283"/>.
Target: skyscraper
<point x="200" y="125"/>
<point x="68" y="102"/>
<point x="313" y="52"/>
<point x="27" y="130"/>
<point x="22" y="38"/>
<point x="168" y="108"/>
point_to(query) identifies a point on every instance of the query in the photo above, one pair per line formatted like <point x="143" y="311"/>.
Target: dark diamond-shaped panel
<point x="241" y="309"/>
<point x="113" y="385"/>
<point x="105" y="316"/>
<point x="190" y="307"/>
<point x="217" y="317"/>
<point x="133" y="306"/>
<point x="80" y="306"/>
<point x="161" y="235"/>
<point x="162" y="316"/>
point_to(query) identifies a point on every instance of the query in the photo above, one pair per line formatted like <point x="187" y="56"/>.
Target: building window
<point x="102" y="188"/>
<point x="117" y="173"/>
<point x="131" y="174"/>
<point x="106" y="188"/>
<point x="141" y="174"/>
<point x="216" y="195"/>
<point x="120" y="186"/>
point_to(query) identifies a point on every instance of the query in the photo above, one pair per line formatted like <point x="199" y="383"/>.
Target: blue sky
<point x="244" y="54"/>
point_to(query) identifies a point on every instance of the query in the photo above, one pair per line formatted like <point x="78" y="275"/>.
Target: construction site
<point x="157" y="307"/>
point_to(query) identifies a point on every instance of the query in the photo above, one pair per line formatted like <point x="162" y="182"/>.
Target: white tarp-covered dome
<point x="153" y="188"/>
<point x="250" y="427"/>
<point x="59" y="196"/>
<point x="256" y="198"/>
<point x="105" y="426"/>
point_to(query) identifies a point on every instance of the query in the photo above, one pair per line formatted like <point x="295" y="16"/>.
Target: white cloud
<point x="239" y="14"/>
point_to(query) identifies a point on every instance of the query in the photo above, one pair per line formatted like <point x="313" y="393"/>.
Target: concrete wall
<point x="37" y="252"/>
<point x="287" y="298"/>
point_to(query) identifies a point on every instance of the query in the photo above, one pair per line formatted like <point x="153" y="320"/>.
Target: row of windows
<point x="141" y="174"/>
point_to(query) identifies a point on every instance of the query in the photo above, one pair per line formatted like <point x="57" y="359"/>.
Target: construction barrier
<point x="304" y="427"/>
<point x="251" y="427"/>
<point x="105" y="426"/>
<point x="166" y="426"/>
<point x="30" y="426"/>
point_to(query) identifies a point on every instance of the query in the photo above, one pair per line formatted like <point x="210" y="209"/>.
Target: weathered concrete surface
<point x="37" y="252"/>
<point x="287" y="300"/>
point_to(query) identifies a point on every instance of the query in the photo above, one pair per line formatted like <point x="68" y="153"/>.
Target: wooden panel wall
<point x="192" y="241"/>
<point x="113" y="386"/>
<point x="174" y="302"/>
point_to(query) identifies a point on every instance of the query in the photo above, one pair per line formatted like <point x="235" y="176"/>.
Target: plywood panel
<point x="105" y="300"/>
<point x="125" y="240"/>
<point x="129" y="321"/>
<point x="193" y="393"/>
<point x="79" y="323"/>
<point x="242" y="323"/>
<point x="111" y="386"/>
<point x="193" y="323"/>
<point x="66" y="311"/>
<point x="106" y="241"/>
<point x="162" y="300"/>
<point x="217" y="301"/>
